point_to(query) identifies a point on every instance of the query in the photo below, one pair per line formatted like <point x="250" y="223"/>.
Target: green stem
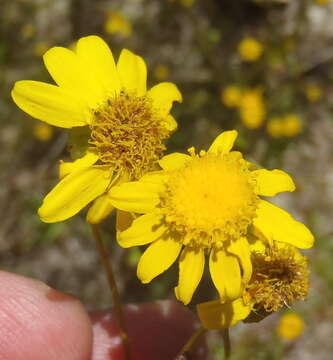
<point x="105" y="258"/>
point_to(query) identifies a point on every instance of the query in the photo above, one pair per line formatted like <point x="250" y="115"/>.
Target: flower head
<point x="274" y="126"/>
<point x="161" y="72"/>
<point x="322" y="2"/>
<point x="252" y="108"/>
<point x="250" y="49"/>
<point x="125" y="124"/>
<point x="205" y="204"/>
<point x="43" y="132"/>
<point x="116" y="23"/>
<point x="289" y="125"/>
<point x="231" y="96"/>
<point x="292" y="125"/>
<point x="290" y="326"/>
<point x="280" y="276"/>
<point x="313" y="92"/>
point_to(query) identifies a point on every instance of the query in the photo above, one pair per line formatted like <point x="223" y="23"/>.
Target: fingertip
<point x="38" y="322"/>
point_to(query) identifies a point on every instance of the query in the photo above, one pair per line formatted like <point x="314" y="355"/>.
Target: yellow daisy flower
<point x="290" y="326"/>
<point x="231" y="96"/>
<point x="322" y="2"/>
<point x="280" y="276"/>
<point x="252" y="108"/>
<point x="313" y="92"/>
<point x="250" y="49"/>
<point x="127" y="124"/>
<point x="274" y="126"/>
<point x="117" y="23"/>
<point x="292" y="125"/>
<point x="204" y="204"/>
<point x="43" y="132"/>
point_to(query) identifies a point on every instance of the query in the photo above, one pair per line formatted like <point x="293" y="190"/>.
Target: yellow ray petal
<point x="62" y="65"/>
<point x="217" y="315"/>
<point x="73" y="193"/>
<point x="272" y="182"/>
<point x="156" y="177"/>
<point x="225" y="272"/>
<point x="191" y="267"/>
<point x="224" y="142"/>
<point x="174" y="161"/>
<point x="123" y="221"/>
<point x="170" y="123"/>
<point x="163" y="95"/>
<point x="144" y="230"/>
<point x="132" y="72"/>
<point x="66" y="168"/>
<point x="277" y="224"/>
<point x="159" y="256"/>
<point x="99" y="210"/>
<point x="49" y="103"/>
<point x="137" y="196"/>
<point x="241" y="249"/>
<point x="71" y="74"/>
<point x="97" y="59"/>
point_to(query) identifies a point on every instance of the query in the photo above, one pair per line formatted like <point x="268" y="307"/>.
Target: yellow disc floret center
<point x="211" y="199"/>
<point x="128" y="134"/>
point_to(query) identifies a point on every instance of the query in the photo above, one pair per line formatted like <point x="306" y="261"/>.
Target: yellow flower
<point x="116" y="23"/>
<point x="231" y="96"/>
<point x="250" y="49"/>
<point x="204" y="204"/>
<point x="288" y="125"/>
<point x="187" y="3"/>
<point x="28" y="31"/>
<point x="126" y="123"/>
<point x="313" y="92"/>
<point x="161" y="72"/>
<point x="275" y="126"/>
<point x="279" y="277"/>
<point x="252" y="109"/>
<point x="292" y="125"/>
<point x="290" y="326"/>
<point x="43" y="132"/>
<point x="322" y="2"/>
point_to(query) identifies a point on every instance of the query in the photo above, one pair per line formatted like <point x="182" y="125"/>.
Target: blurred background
<point x="264" y="67"/>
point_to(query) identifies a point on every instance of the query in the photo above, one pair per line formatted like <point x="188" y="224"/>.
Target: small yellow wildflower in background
<point x="280" y="276"/>
<point x="203" y="204"/>
<point x="292" y="125"/>
<point x="43" y="132"/>
<point x="275" y="126"/>
<point x="289" y="125"/>
<point x="28" y="31"/>
<point x="161" y="72"/>
<point x="187" y="3"/>
<point x="322" y="2"/>
<point x="250" y="49"/>
<point x="313" y="92"/>
<point x="40" y="48"/>
<point x="116" y="23"/>
<point x="125" y="122"/>
<point x="231" y="96"/>
<point x="290" y="326"/>
<point x="252" y="109"/>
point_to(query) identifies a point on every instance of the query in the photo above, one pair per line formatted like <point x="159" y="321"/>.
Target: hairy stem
<point x="190" y="343"/>
<point x="105" y="258"/>
<point x="226" y="343"/>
